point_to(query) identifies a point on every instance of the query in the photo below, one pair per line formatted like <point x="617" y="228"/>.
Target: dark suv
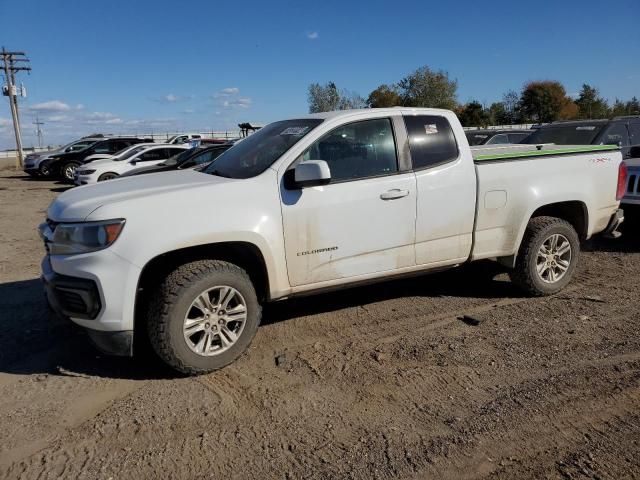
<point x="621" y="131"/>
<point x="64" y="164"/>
<point x="496" y="136"/>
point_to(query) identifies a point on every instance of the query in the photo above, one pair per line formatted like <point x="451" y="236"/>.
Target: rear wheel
<point x="44" y="170"/>
<point x="107" y="176"/>
<point x="68" y="171"/>
<point x="548" y="256"/>
<point x="203" y="316"/>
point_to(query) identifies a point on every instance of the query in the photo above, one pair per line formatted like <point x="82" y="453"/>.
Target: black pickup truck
<point x="621" y="131"/>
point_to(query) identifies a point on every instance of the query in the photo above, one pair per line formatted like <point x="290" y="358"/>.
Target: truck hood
<point x="76" y="205"/>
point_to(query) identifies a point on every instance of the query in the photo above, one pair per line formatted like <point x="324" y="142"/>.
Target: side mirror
<point x="132" y="162"/>
<point x="312" y="173"/>
<point x="634" y="152"/>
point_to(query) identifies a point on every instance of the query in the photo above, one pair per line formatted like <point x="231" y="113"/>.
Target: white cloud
<point x="100" y="116"/>
<point x="50" y="106"/>
<point x="171" y="98"/>
<point x="312" y="35"/>
<point x="188" y="111"/>
<point x="114" y="121"/>
<point x="226" y="92"/>
<point x="243" y="102"/>
<point x="57" y="118"/>
<point x="80" y="106"/>
<point x="4" y="122"/>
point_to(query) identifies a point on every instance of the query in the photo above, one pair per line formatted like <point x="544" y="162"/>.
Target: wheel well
<point x="245" y="255"/>
<point x="574" y="212"/>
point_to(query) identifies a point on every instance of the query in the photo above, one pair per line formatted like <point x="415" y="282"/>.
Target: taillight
<point x="622" y="181"/>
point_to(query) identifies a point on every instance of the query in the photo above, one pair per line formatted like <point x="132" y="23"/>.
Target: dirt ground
<point x="370" y="383"/>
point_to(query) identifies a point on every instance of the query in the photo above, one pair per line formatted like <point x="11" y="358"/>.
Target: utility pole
<point x="10" y="64"/>
<point x="37" y="123"/>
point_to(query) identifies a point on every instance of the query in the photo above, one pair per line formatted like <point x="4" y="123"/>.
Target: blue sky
<point x="141" y="66"/>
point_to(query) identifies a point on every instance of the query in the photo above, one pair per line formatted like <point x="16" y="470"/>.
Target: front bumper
<point x="81" y="301"/>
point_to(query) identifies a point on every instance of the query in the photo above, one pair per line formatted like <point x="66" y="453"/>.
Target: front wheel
<point x="203" y="316"/>
<point x="547" y="257"/>
<point x="68" y="171"/>
<point x="44" y="170"/>
<point x="107" y="176"/>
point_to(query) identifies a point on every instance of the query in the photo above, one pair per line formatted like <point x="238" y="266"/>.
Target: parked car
<point x="37" y="164"/>
<point x="497" y="136"/>
<point x="311" y="204"/>
<point x="183" y="138"/>
<point x="197" y="157"/>
<point x="108" y="169"/>
<point x="621" y="131"/>
<point x="65" y="164"/>
<point x="114" y="156"/>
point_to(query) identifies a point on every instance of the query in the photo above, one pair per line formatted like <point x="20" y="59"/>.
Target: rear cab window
<point x="431" y="141"/>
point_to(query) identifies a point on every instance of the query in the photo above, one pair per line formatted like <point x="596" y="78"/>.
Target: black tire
<point x="172" y="300"/>
<point x="43" y="170"/>
<point x="107" y="176"/>
<point x="67" y="171"/>
<point x="525" y="274"/>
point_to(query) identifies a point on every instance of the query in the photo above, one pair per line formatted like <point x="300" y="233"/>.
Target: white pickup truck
<point x="310" y="204"/>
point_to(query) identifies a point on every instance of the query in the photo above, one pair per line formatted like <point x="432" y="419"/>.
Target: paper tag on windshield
<point x="588" y="127"/>
<point x="431" y="129"/>
<point x="294" y="131"/>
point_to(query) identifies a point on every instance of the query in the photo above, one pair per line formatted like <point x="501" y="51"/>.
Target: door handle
<point x="394" y="194"/>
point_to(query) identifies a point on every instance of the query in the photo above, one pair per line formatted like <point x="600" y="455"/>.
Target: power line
<point x="12" y="62"/>
<point x="37" y="123"/>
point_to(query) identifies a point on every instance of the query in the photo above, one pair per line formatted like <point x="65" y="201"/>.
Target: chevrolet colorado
<point x="310" y="204"/>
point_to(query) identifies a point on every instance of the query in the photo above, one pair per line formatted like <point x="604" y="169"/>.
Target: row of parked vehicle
<point x="98" y="158"/>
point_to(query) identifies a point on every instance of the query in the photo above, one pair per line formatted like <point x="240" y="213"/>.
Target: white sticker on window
<point x="588" y="127"/>
<point x="431" y="129"/>
<point x="294" y="131"/>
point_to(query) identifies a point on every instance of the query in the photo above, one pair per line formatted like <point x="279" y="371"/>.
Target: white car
<point x="139" y="156"/>
<point x="117" y="155"/>
<point x="311" y="204"/>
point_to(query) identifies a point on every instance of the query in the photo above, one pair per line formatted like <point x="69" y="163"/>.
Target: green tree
<point x="633" y="106"/>
<point x="427" y="88"/>
<point x="323" y="98"/>
<point x="546" y="101"/>
<point x="384" y="96"/>
<point x="326" y="98"/>
<point x="591" y="104"/>
<point x="619" y="108"/>
<point x="473" y="115"/>
<point x="498" y="115"/>
<point x="511" y="104"/>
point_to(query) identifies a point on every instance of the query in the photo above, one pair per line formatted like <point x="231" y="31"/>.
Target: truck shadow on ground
<point x="629" y="242"/>
<point x="33" y="340"/>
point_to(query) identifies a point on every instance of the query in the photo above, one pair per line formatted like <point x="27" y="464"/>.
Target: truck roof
<point x="346" y="113"/>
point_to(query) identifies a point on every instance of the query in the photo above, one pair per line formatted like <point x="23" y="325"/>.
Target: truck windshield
<point x="565" y="134"/>
<point x="256" y="153"/>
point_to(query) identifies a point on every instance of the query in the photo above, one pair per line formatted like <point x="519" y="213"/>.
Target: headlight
<point x="86" y="172"/>
<point x="71" y="238"/>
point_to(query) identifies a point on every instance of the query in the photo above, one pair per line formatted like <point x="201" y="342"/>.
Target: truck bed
<point x="491" y="153"/>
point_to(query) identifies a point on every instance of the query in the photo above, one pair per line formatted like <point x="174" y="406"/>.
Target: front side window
<point x="517" y="137"/>
<point x="431" y="140"/>
<point x="357" y="150"/>
<point x="102" y="147"/>
<point x="254" y="154"/>
<point x="150" y="155"/>
<point x="475" y="139"/>
<point x="499" y="139"/>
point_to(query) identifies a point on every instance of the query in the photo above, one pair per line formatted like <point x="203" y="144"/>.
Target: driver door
<point x="363" y="221"/>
